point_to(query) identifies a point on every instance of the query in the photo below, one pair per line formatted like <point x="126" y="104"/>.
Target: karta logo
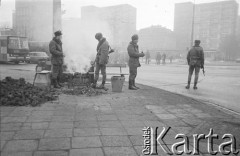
<point x="153" y="140"/>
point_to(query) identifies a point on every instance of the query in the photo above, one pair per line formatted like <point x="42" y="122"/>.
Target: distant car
<point x="35" y="57"/>
<point x="237" y="60"/>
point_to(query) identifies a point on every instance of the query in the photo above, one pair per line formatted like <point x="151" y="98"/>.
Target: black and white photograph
<point x="119" y="77"/>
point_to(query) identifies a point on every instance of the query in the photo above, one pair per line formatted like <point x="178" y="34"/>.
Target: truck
<point x="14" y="49"/>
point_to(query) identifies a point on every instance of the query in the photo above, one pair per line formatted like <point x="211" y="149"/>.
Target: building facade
<point x="7" y="32"/>
<point x="117" y="23"/>
<point x="238" y="28"/>
<point x="183" y="13"/>
<point x="157" y="38"/>
<point x="37" y="20"/>
<point x="212" y="23"/>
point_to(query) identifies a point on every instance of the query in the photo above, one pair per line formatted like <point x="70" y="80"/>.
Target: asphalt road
<point x="220" y="86"/>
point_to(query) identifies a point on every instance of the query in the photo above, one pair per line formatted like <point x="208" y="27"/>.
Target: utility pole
<point x="192" y="33"/>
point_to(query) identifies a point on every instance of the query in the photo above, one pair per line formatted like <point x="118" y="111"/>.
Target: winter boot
<point x="135" y="85"/>
<point x="131" y="87"/>
<point x="195" y="86"/>
<point x="102" y="86"/>
<point x="55" y="84"/>
<point x="188" y="86"/>
<point x="58" y="82"/>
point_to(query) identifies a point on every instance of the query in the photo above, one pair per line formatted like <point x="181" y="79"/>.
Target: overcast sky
<point x="149" y="12"/>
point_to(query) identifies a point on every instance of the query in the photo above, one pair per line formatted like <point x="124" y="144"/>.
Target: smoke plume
<point x="79" y="43"/>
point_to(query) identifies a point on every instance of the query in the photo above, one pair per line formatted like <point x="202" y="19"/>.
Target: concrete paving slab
<point x="6" y="135"/>
<point x="58" y="133"/>
<point x="115" y="141"/>
<point x="134" y="130"/>
<point x="119" y="151"/>
<point x="20" y="146"/>
<point x="50" y="153"/>
<point x="86" y="142"/>
<point x="62" y="118"/>
<point x="40" y="125"/>
<point x="86" y="124"/>
<point x="86" y="132"/>
<point x="109" y="124"/>
<point x="29" y="134"/>
<point x="107" y="117"/>
<point x="10" y="126"/>
<point x="60" y="125"/>
<point x="113" y="131"/>
<point x="16" y="154"/>
<point x="87" y="152"/>
<point x="137" y="140"/>
<point x="54" y="144"/>
<point x="13" y="119"/>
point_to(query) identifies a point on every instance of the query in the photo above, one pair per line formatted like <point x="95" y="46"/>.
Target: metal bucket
<point x="117" y="83"/>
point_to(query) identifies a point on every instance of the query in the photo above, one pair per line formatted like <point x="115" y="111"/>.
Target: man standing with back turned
<point x="195" y="59"/>
<point x="134" y="63"/>
<point x="55" y="48"/>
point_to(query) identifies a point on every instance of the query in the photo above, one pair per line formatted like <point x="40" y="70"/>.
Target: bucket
<point x="43" y="80"/>
<point x="117" y="83"/>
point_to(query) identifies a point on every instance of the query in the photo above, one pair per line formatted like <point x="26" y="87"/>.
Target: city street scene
<point x="119" y="77"/>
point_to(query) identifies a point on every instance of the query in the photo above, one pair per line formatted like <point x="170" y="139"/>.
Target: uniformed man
<point x="164" y="58"/>
<point x="134" y="63"/>
<point x="101" y="59"/>
<point x="158" y="58"/>
<point x="195" y="59"/>
<point x="55" y="48"/>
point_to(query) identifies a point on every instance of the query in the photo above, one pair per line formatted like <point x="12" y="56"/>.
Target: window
<point x="4" y="43"/>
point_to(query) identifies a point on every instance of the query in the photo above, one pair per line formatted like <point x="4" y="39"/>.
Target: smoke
<point x="79" y="43"/>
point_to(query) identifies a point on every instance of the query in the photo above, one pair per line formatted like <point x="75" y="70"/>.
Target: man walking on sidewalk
<point x="195" y="59"/>
<point x="101" y="59"/>
<point x="55" y="48"/>
<point x="134" y="63"/>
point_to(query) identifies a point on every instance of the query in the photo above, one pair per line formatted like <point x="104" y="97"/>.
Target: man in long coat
<point x="55" y="48"/>
<point x="101" y="59"/>
<point x="134" y="63"/>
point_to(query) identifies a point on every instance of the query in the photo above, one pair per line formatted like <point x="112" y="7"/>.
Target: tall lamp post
<point x="192" y="33"/>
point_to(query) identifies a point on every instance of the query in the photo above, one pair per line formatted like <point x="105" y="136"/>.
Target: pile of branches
<point x="17" y="92"/>
<point x="84" y="90"/>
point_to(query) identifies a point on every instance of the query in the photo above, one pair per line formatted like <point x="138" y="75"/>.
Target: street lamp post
<point x="192" y="33"/>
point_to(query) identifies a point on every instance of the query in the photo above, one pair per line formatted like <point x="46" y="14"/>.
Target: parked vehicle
<point x="237" y="60"/>
<point x="35" y="57"/>
<point x="14" y="49"/>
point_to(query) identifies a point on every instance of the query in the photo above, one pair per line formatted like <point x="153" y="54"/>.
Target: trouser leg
<point x="197" y="70"/>
<point x="190" y="72"/>
<point x="60" y="71"/>
<point x="132" y="76"/>
<point x="96" y="73"/>
<point x="55" y="73"/>
<point x="104" y="75"/>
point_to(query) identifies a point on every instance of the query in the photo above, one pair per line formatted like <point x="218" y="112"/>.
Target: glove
<point x="143" y="54"/>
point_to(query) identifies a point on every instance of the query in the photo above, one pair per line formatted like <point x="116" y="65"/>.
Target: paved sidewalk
<point x="109" y="124"/>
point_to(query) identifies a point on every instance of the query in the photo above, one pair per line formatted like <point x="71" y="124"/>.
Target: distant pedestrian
<point x="171" y="58"/>
<point x="158" y="58"/>
<point x="195" y="59"/>
<point x="55" y="48"/>
<point x="133" y="52"/>
<point x="147" y="57"/>
<point x="164" y="58"/>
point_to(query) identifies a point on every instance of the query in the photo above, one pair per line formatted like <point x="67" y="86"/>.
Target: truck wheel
<point x="16" y="62"/>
